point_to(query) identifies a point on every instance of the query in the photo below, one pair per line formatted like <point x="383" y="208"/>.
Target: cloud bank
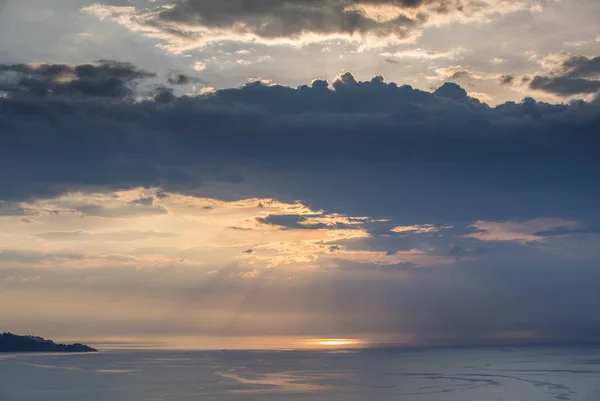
<point x="345" y="132"/>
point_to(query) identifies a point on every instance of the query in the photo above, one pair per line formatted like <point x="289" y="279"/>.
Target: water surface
<point x="528" y="374"/>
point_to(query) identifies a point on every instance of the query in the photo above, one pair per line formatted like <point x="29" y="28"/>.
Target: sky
<point x="280" y="173"/>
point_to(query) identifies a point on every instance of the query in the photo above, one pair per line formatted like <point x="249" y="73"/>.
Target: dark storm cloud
<point x="361" y="148"/>
<point x="106" y="78"/>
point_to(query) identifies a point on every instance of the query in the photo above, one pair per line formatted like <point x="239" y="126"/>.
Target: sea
<point x="435" y="374"/>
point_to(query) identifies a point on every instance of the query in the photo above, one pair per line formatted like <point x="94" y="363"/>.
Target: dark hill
<point x="13" y="343"/>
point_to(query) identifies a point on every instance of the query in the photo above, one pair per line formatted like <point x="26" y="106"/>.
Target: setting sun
<point x="335" y="342"/>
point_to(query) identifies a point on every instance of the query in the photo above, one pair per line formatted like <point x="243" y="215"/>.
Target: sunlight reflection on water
<point x="532" y="374"/>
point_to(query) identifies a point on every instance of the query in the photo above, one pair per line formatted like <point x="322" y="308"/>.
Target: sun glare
<point x="334" y="342"/>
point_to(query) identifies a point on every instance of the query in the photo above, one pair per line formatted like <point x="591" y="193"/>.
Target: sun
<point x="334" y="342"/>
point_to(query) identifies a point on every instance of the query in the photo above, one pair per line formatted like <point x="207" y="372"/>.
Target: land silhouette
<point x="10" y="342"/>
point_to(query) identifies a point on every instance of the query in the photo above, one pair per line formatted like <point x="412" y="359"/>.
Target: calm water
<point x="528" y="374"/>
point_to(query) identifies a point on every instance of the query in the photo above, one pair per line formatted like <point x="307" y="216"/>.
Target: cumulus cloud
<point x="452" y="91"/>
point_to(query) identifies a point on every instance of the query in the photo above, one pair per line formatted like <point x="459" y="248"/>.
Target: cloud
<point x="110" y="79"/>
<point x="506" y="79"/>
<point x="144" y="201"/>
<point x="459" y="73"/>
<point x="452" y="91"/>
<point x="12" y="278"/>
<point x="566" y="76"/>
<point x="564" y="86"/>
<point x="361" y="280"/>
<point x="266" y="209"/>
<point x="395" y="302"/>
<point x="563" y="231"/>
<point x="192" y="24"/>
<point x="484" y="97"/>
<point x="421" y="229"/>
<point x="122" y="211"/>
<point x="525" y="231"/>
<point x="163" y="95"/>
<point x="289" y="221"/>
<point x="581" y="66"/>
<point x="317" y="143"/>
<point x="176" y="78"/>
<point x="418" y="53"/>
<point x="11" y="209"/>
<point x="34" y="257"/>
<point x="199" y="66"/>
<point x="127" y="235"/>
<point x="310" y="221"/>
